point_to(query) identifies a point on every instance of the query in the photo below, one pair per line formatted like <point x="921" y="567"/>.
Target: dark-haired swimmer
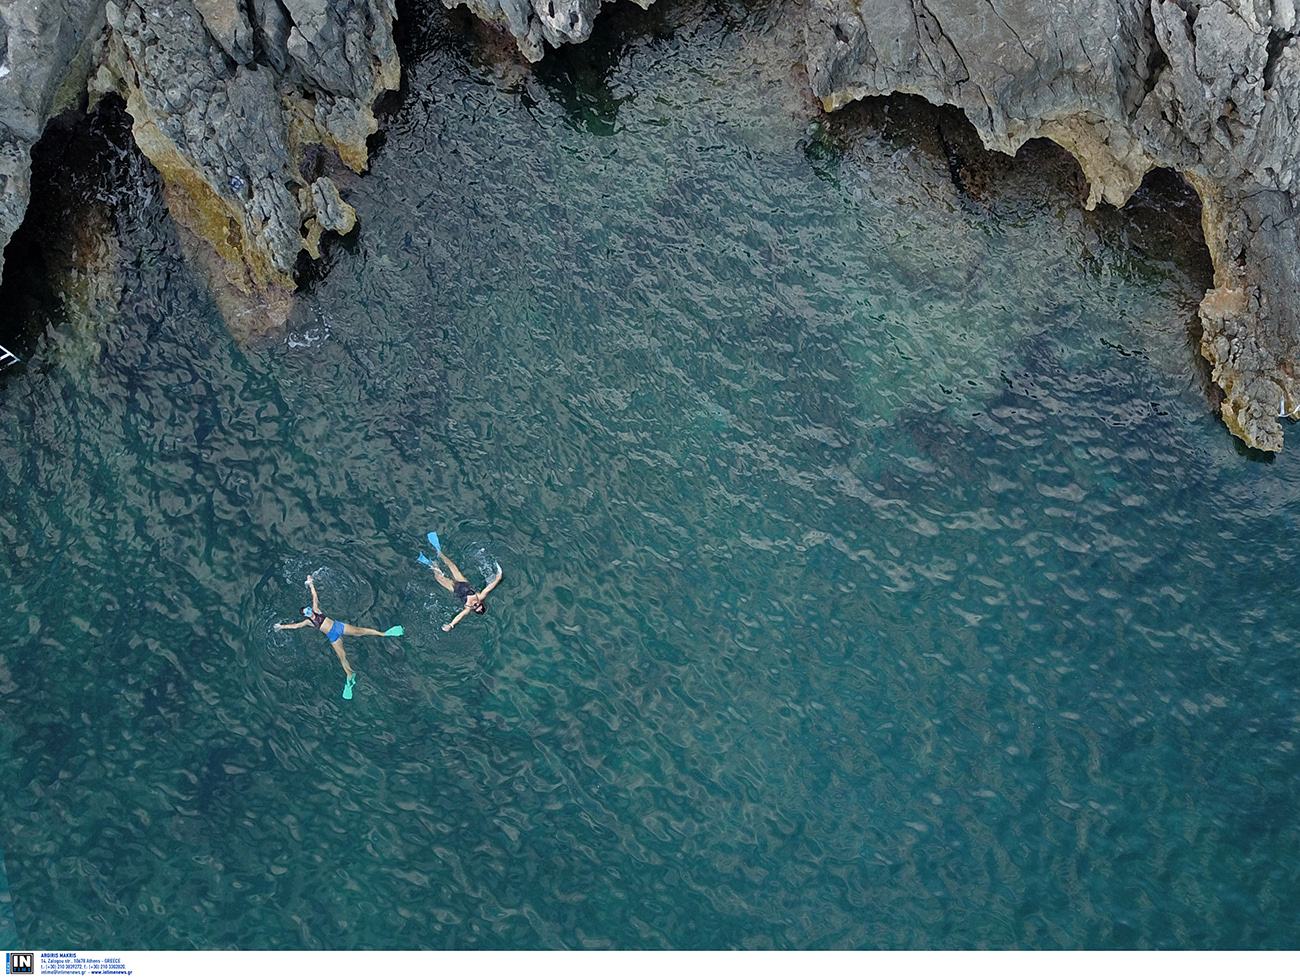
<point x="458" y="585"/>
<point x="335" y="632"/>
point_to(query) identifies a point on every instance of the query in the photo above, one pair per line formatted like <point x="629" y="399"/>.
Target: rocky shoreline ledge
<point x="244" y="107"/>
<point x="230" y="101"/>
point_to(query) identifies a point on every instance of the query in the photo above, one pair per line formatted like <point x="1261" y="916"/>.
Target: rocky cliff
<point x="227" y="99"/>
<point x="227" y="95"/>
<point x="533" y="22"/>
<point x="1210" y="88"/>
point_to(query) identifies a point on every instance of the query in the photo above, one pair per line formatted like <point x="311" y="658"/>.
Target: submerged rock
<point x="1208" y="88"/>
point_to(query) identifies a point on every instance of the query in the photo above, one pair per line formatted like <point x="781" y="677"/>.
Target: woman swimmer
<point x="335" y="632"/>
<point x="458" y="585"/>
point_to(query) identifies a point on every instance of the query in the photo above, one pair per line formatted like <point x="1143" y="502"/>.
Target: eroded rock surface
<point x="225" y="95"/>
<point x="1210" y="88"/>
<point x="535" y="23"/>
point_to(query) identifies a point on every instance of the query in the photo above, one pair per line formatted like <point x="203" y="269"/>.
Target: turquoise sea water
<point x="876" y="573"/>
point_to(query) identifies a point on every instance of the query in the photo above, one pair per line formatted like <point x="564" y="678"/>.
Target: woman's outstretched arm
<point x="486" y="590"/>
<point x="455" y="620"/>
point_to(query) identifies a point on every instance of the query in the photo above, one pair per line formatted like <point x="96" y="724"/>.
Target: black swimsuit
<point x="463" y="590"/>
<point x="317" y="620"/>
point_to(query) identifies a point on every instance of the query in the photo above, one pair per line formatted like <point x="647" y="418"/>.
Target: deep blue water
<point x="876" y="571"/>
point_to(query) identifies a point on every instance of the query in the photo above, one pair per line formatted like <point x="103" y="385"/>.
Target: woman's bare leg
<point x="351" y="629"/>
<point x="455" y="570"/>
<point x="343" y="655"/>
<point x="442" y="579"/>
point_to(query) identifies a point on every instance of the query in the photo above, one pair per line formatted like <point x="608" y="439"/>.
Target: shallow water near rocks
<point x="876" y="573"/>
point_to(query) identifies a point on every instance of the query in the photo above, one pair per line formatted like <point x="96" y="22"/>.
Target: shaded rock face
<point x="225" y="95"/>
<point x="44" y="59"/>
<point x="1210" y="88"/>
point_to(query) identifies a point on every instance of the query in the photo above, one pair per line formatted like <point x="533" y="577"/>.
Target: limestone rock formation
<point x="226" y="95"/>
<point x="1209" y="88"/>
<point x="535" y="23"/>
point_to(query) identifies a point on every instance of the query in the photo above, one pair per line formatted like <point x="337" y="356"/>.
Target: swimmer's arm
<point x="315" y="601"/>
<point x="486" y="590"/>
<point x="455" y="620"/>
<point x="290" y="627"/>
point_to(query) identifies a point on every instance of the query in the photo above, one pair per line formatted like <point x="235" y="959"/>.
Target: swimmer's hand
<point x="447" y="627"/>
<point x="279" y="626"/>
<point x="309" y="580"/>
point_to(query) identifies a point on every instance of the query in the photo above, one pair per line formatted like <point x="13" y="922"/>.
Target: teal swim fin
<point x="425" y="560"/>
<point x="395" y="631"/>
<point x="433" y="539"/>
<point x="347" y="689"/>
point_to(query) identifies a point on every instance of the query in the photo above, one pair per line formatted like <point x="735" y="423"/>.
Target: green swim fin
<point x="395" y="631"/>
<point x="347" y="689"/>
